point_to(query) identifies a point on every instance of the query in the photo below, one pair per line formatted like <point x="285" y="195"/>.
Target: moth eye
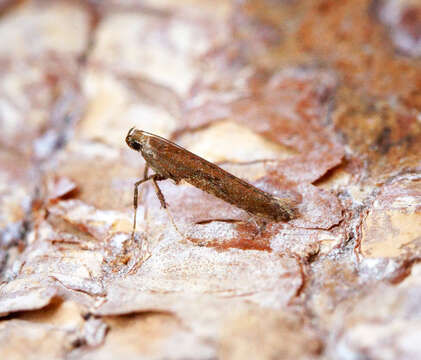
<point x="135" y="145"/>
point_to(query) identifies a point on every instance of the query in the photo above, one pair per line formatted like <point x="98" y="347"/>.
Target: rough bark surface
<point x="316" y="100"/>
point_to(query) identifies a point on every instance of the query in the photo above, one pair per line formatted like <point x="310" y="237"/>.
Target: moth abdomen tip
<point x="288" y="210"/>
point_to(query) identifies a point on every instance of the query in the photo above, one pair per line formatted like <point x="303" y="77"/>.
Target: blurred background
<point x="318" y="101"/>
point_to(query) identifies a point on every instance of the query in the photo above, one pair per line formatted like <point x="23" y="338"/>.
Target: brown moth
<point x="170" y="161"/>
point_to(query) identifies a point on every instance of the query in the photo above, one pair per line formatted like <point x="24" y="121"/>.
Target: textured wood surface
<point x="316" y="100"/>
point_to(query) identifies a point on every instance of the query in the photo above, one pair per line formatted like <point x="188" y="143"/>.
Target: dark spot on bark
<point x="383" y="142"/>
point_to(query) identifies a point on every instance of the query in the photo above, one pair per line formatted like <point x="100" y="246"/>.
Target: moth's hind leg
<point x="259" y="223"/>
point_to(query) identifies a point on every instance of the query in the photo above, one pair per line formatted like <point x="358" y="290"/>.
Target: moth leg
<point x="135" y="200"/>
<point x="158" y="190"/>
<point x="145" y="175"/>
<point x="161" y="198"/>
<point x="262" y="226"/>
<point x="145" y="171"/>
<point x="258" y="222"/>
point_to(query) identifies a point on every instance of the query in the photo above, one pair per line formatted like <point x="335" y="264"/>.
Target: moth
<point x="171" y="161"/>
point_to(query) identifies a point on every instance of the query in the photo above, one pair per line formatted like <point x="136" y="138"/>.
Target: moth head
<point x="135" y="139"/>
